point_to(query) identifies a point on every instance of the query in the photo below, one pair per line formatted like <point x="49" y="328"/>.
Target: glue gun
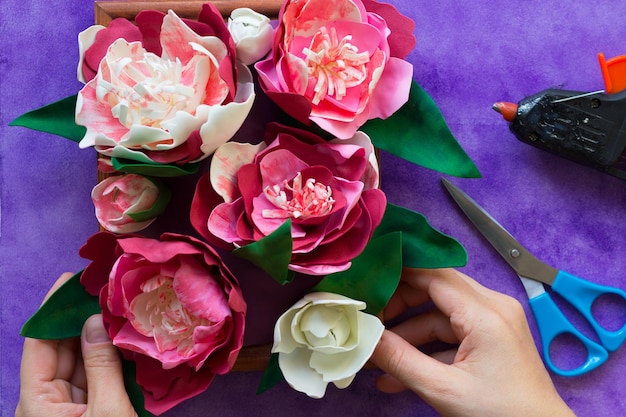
<point x="585" y="127"/>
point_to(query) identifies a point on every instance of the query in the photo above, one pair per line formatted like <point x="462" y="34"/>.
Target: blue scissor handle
<point x="581" y="294"/>
<point x="552" y="323"/>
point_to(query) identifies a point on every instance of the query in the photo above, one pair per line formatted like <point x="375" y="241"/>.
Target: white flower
<point x="324" y="338"/>
<point x="252" y="33"/>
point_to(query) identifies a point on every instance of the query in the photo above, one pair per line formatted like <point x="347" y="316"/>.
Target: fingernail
<point x="94" y="330"/>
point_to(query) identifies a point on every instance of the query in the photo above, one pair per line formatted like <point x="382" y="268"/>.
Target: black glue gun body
<point x="588" y="128"/>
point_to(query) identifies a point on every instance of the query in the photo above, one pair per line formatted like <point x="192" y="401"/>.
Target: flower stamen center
<point x="168" y="321"/>
<point x="335" y="63"/>
<point x="311" y="199"/>
<point x="145" y="92"/>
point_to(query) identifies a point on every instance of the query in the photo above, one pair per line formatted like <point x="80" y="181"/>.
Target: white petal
<point x="283" y="339"/>
<point x="343" y="365"/>
<point x="252" y="33"/>
<point x="227" y="160"/>
<point x="222" y="124"/>
<point x="299" y="375"/>
<point x="144" y="136"/>
<point x="344" y="383"/>
<point x="86" y="38"/>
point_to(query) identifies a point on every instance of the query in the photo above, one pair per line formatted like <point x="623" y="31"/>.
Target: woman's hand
<point x="73" y="377"/>
<point x="496" y="369"/>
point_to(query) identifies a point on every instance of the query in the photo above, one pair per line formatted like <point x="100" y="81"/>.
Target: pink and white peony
<point x="171" y="306"/>
<point x="252" y="33"/>
<point x="122" y="202"/>
<point x="327" y="190"/>
<point x="337" y="63"/>
<point x="324" y="338"/>
<point x="174" y="103"/>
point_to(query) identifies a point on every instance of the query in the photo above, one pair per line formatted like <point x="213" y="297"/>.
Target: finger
<point x="39" y="363"/>
<point x="446" y="356"/>
<point x="409" y="366"/>
<point x="450" y="290"/>
<point x="389" y="385"/>
<point x="40" y="357"/>
<point x="103" y="369"/>
<point x="425" y="328"/>
<point x="404" y="298"/>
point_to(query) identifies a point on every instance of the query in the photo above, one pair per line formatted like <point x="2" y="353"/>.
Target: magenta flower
<point x="327" y="189"/>
<point x="336" y="63"/>
<point x="167" y="91"/>
<point x="171" y="306"/>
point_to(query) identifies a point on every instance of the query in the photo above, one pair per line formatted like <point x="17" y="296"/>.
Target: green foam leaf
<point x="373" y="276"/>
<point x="422" y="245"/>
<point x="418" y="133"/>
<point x="56" y="118"/>
<point x="154" y="170"/>
<point x="63" y="314"/>
<point x="272" y="253"/>
<point x="133" y="389"/>
<point x="272" y="375"/>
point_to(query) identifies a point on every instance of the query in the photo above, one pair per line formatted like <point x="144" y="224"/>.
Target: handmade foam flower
<point x="324" y="338"/>
<point x="128" y="203"/>
<point x="326" y="189"/>
<point x="337" y="65"/>
<point x="252" y="33"/>
<point x="169" y="98"/>
<point x="171" y="306"/>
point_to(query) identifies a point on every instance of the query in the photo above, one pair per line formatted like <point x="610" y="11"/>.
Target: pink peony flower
<point x="164" y="91"/>
<point x="339" y="63"/>
<point x="171" y="306"/>
<point x="327" y="189"/>
<point x="127" y="203"/>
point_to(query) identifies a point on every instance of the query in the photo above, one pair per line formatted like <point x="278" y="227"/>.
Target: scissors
<point x="533" y="273"/>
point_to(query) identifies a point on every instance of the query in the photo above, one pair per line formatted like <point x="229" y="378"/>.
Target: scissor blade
<point x="519" y="258"/>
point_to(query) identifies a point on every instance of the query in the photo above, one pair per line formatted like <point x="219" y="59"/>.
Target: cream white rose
<point x="324" y="338"/>
<point x="252" y="33"/>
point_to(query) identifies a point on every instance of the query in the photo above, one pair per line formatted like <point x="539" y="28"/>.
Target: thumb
<point x="106" y="395"/>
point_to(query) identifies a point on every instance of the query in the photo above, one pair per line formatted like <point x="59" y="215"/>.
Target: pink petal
<point x="279" y="166"/>
<point x="176" y="39"/>
<point x="317" y="12"/>
<point x="401" y="41"/>
<point x="392" y="90"/>
<point x="223" y="220"/>
<point x="102" y="127"/>
<point x="199" y="292"/>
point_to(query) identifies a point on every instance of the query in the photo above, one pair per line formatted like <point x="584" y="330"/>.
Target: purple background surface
<point x="469" y="54"/>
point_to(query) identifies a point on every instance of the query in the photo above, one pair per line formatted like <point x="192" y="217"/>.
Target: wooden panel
<point x="105" y="11"/>
<point x="252" y="358"/>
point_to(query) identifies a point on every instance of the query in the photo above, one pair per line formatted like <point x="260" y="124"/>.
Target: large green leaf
<point x="272" y="253"/>
<point x="56" y="118"/>
<point x="63" y="314"/>
<point x="154" y="170"/>
<point x="422" y="245"/>
<point x="373" y="276"/>
<point x="418" y="133"/>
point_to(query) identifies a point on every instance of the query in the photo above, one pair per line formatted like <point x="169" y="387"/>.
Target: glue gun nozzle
<point x="506" y="109"/>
